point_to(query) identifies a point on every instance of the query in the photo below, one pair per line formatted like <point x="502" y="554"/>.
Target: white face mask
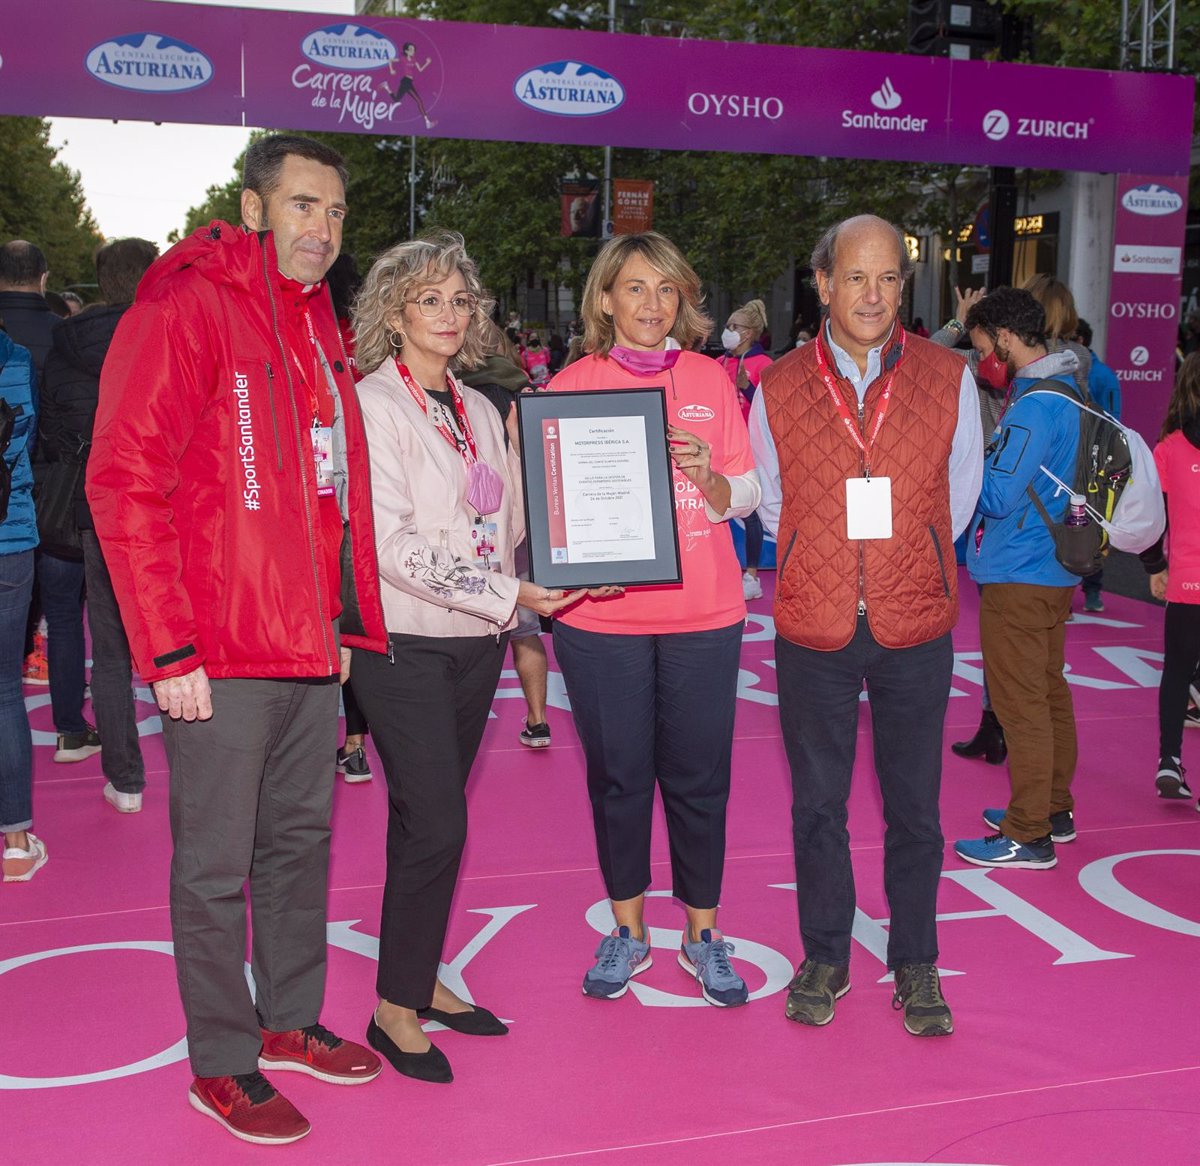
<point x="730" y="339"/>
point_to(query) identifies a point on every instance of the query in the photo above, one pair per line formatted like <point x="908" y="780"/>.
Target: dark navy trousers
<point x="907" y="689"/>
<point x="655" y="710"/>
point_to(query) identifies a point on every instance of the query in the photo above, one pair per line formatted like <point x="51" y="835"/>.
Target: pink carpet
<point x="1072" y="989"/>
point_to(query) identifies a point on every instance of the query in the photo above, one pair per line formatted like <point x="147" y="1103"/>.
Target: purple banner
<point x="1145" y="294"/>
<point x="175" y="62"/>
<point x="140" y="61"/>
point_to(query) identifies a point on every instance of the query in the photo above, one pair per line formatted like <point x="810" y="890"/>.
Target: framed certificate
<point x="599" y="498"/>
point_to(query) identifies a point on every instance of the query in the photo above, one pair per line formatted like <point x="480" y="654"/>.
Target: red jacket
<point x="201" y="475"/>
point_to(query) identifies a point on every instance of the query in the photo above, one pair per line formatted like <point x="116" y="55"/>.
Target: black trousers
<point x="655" y="709"/>
<point x="1181" y="652"/>
<point x="818" y="709"/>
<point x="427" y="714"/>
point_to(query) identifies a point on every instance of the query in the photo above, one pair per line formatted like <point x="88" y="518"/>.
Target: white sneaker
<point x="21" y="865"/>
<point x="123" y="803"/>
<point x="751" y="587"/>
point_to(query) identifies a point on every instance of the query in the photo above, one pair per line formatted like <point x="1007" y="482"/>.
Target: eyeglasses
<point x="432" y="305"/>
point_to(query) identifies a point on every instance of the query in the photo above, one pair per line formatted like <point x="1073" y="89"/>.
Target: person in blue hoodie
<point x="1025" y="593"/>
<point x="24" y="852"/>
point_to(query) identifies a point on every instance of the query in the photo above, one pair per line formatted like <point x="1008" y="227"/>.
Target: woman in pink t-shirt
<point x="744" y="362"/>
<point x="1177" y="457"/>
<point x="652" y="673"/>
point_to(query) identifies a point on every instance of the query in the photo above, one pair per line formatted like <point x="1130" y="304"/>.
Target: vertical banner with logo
<point x="580" y="199"/>
<point x="633" y="206"/>
<point x="1148" y="233"/>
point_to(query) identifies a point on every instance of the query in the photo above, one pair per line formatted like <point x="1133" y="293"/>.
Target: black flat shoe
<point x="430" y="1065"/>
<point x="480" y="1022"/>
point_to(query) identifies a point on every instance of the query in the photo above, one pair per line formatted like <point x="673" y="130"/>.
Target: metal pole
<point x="412" y="189"/>
<point x="612" y="27"/>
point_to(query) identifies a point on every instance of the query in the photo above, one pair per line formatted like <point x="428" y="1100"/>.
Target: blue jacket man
<point x="1025" y="594"/>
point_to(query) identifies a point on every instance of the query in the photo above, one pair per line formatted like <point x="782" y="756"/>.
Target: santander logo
<point x="696" y="413"/>
<point x="885" y="97"/>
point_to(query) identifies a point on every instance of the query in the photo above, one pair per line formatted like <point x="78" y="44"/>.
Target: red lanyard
<point x="311" y="386"/>
<point x="465" y="447"/>
<point x="840" y="403"/>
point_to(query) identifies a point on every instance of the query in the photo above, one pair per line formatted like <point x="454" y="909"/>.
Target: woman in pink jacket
<point x="448" y="513"/>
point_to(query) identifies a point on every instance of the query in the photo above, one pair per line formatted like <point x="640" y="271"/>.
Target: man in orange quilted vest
<point x="870" y="454"/>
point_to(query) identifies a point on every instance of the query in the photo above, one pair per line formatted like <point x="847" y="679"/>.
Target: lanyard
<point x="310" y="384"/>
<point x="866" y="444"/>
<point x="465" y="446"/>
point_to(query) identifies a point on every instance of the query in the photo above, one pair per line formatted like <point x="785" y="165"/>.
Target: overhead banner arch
<point x="147" y="61"/>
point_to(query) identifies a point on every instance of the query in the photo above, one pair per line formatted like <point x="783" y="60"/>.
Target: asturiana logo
<point x="569" y="88"/>
<point x="885" y="98"/>
<point x="348" y="46"/>
<point x="150" y="63"/>
<point x="696" y="413"/>
<point x="1152" y="199"/>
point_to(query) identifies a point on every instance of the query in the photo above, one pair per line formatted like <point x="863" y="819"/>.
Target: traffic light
<point x="953" y="28"/>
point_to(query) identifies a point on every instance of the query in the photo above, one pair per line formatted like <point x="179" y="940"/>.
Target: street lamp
<point x="585" y="16"/>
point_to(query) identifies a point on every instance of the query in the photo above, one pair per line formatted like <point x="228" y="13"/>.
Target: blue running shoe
<point x="1062" y="824"/>
<point x="708" y="961"/>
<point x="619" y="958"/>
<point x="997" y="850"/>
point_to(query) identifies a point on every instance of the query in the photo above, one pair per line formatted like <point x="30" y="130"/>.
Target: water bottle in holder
<point x="1077" y="513"/>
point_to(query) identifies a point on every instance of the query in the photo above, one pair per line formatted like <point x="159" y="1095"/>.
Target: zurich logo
<point x="569" y="88"/>
<point x="149" y="62"/>
<point x="1139" y="356"/>
<point x="1152" y="199"/>
<point x="348" y="46"/>
<point x="885" y="97"/>
<point x="996" y="125"/>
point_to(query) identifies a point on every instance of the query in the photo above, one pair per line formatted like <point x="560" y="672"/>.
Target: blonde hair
<point x="394" y="276"/>
<point x="494" y="341"/>
<point x="1062" y="320"/>
<point x="692" y="324"/>
<point x="755" y="316"/>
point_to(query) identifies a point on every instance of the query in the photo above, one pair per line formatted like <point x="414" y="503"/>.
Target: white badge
<point x="868" y="508"/>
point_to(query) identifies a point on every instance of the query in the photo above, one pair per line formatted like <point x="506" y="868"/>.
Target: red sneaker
<point x="250" y="1108"/>
<point x="316" y="1051"/>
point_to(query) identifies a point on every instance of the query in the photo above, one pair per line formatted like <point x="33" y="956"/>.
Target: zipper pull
<point x="862" y="607"/>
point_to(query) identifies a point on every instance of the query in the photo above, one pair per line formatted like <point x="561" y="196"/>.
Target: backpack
<point x="1115" y="473"/>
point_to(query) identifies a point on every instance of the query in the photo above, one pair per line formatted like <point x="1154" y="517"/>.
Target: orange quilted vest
<point x="908" y="582"/>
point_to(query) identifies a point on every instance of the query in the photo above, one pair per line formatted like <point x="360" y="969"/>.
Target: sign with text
<point x="1145" y="294"/>
<point x="633" y="206"/>
<point x="390" y="75"/>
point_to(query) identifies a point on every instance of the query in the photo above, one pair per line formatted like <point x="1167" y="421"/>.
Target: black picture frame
<point x="547" y="565"/>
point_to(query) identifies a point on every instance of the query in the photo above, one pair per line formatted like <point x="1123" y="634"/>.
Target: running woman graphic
<point x="411" y="66"/>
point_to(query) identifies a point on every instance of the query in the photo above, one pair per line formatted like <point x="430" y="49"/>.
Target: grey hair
<point x="395" y="275"/>
<point x="823" y="253"/>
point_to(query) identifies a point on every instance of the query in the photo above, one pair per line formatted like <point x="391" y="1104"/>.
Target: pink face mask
<point x="993" y="371"/>
<point x="642" y="363"/>
<point x="485" y="488"/>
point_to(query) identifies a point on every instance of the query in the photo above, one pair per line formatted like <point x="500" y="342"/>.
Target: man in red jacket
<point x="228" y="482"/>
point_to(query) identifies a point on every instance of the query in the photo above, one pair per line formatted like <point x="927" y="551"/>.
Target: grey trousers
<point x="251" y="795"/>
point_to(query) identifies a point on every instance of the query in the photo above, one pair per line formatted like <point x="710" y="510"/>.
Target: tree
<point x="41" y="200"/>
